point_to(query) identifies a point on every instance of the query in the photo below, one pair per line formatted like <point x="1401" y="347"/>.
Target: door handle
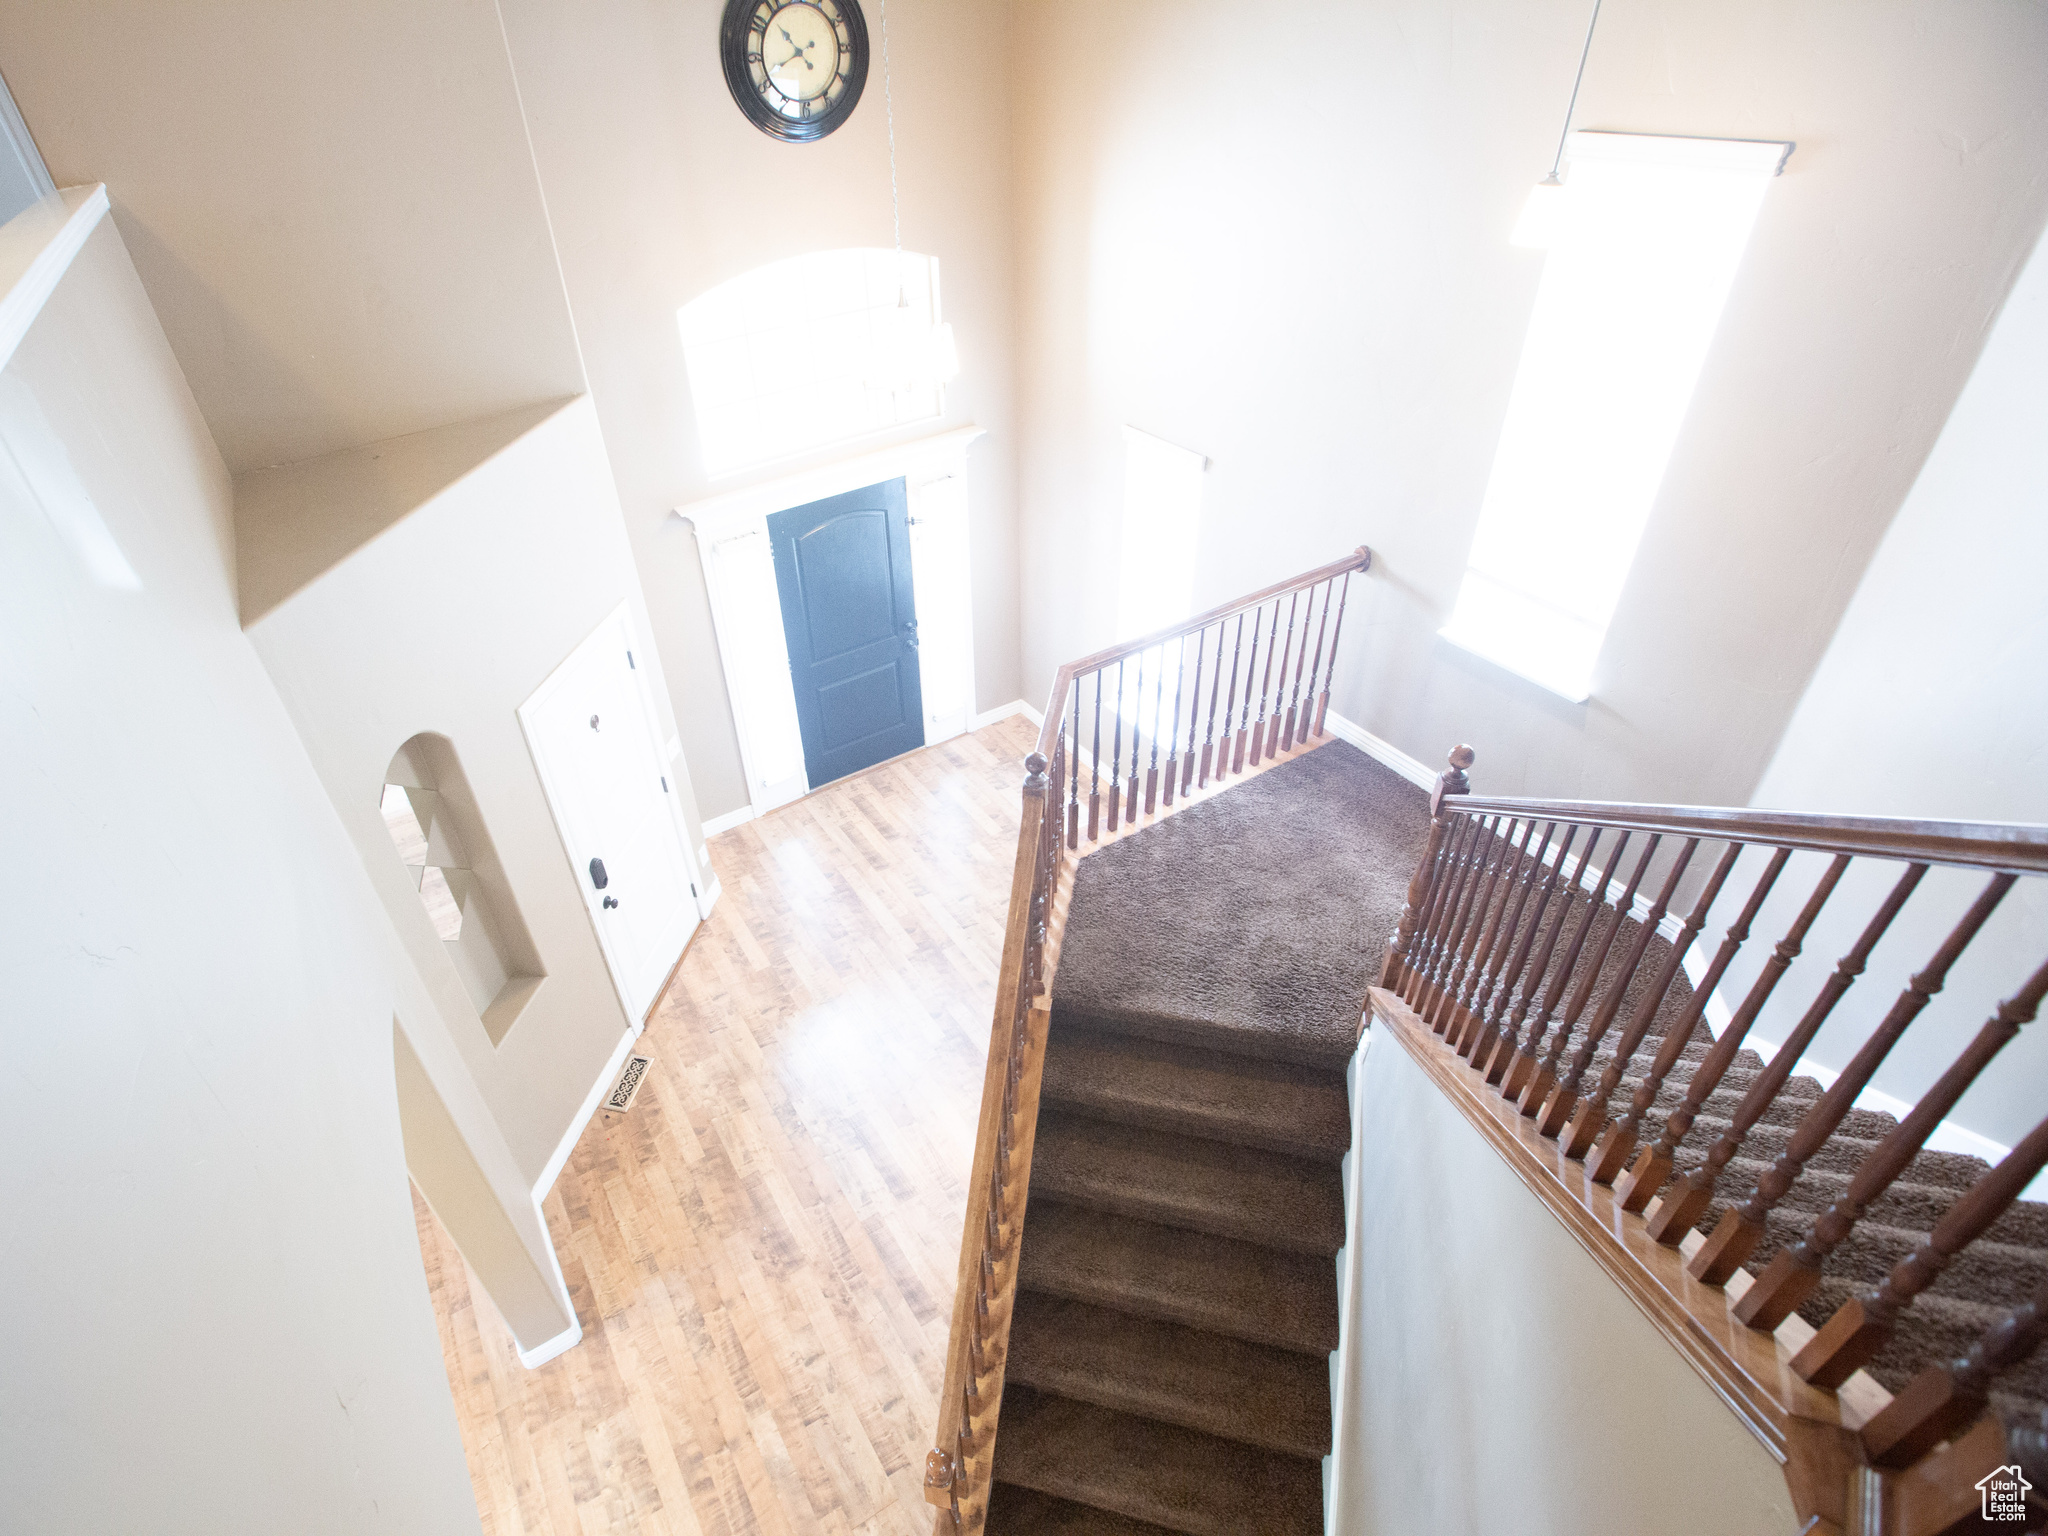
<point x="598" y="878"/>
<point x="611" y="901"/>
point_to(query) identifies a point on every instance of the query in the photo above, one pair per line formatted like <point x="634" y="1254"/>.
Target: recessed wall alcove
<point x="441" y="839"/>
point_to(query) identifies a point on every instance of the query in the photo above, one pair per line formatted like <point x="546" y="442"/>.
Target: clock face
<point x="796" y="67"/>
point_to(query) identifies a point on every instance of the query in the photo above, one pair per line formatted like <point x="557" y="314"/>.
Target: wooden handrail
<point x="1442" y="978"/>
<point x="1052" y="833"/>
<point x="2020" y="848"/>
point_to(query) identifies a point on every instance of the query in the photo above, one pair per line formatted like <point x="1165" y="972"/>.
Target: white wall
<point x="1283" y="243"/>
<point x="658" y="189"/>
<point x="216" y="1318"/>
<point x="1932" y="701"/>
<point x="1495" y="1379"/>
<point x="446" y="622"/>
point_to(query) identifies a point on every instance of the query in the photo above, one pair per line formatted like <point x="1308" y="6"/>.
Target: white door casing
<point x="739" y="573"/>
<point x="591" y="729"/>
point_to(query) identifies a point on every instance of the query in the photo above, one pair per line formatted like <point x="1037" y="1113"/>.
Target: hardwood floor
<point x="762" y="1249"/>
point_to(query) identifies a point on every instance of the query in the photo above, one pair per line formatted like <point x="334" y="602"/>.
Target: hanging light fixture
<point x="920" y="354"/>
<point x="1542" y="217"/>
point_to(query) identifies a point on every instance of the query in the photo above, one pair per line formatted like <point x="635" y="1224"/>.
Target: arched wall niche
<point x="440" y="838"/>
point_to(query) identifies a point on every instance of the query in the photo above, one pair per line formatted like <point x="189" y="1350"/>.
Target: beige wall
<point x="446" y="622"/>
<point x="659" y="189"/>
<point x="216" y="1315"/>
<point x="1933" y="701"/>
<point x="1493" y="1377"/>
<point x="1283" y="243"/>
<point x="333" y="207"/>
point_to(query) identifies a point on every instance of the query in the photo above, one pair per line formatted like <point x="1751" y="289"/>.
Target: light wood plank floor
<point x="762" y="1249"/>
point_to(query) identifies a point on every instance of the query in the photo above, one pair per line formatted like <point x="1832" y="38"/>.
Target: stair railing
<point x="1523" y="948"/>
<point x="1235" y="702"/>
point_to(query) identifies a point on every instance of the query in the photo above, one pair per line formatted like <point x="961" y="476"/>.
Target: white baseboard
<point x="1003" y="712"/>
<point x="1411" y="769"/>
<point x="729" y="820"/>
<point x="707" y="896"/>
<point x="605" y="1079"/>
<point x="533" y="1359"/>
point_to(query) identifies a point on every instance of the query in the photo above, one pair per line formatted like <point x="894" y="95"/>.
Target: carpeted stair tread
<point x="1242" y="951"/>
<point x="1178" y="1478"/>
<point x="1014" y="1511"/>
<point x="1211" y="1283"/>
<point x="1184" y="1181"/>
<point x="1208" y="1094"/>
<point x="1272" y="1398"/>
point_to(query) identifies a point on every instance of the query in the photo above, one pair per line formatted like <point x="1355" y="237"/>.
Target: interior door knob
<point x="598" y="878"/>
<point x="611" y="901"/>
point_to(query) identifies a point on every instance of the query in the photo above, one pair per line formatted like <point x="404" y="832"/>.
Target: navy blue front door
<point x="842" y="569"/>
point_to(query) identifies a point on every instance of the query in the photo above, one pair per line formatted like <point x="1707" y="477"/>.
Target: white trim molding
<point x="739" y="576"/>
<point x="1004" y="712"/>
<point x="713" y="825"/>
<point x="37" y="247"/>
<point x="533" y="1359"/>
<point x="612" y="1068"/>
<point x="1380" y="750"/>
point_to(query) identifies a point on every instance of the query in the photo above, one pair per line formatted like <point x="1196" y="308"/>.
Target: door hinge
<point x="631" y="663"/>
<point x="693" y="888"/>
<point x="664" y="784"/>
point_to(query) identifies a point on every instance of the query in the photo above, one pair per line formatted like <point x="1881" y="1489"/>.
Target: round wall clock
<point x="795" y="66"/>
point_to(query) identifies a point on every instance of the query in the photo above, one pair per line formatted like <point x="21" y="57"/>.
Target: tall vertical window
<point x="1162" y="518"/>
<point x="814" y="350"/>
<point x="1643" y="248"/>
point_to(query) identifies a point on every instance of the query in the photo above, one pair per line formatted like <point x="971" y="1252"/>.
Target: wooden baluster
<point x="1463" y="837"/>
<point x="1244" y="714"/>
<point x="1575" y="1133"/>
<point x="1074" y="775"/>
<point x="1794" y="1272"/>
<point x="1618" y="1142"/>
<point x="1229" y="703"/>
<point x="1501" y="970"/>
<point x="1543" y="1080"/>
<point x="1522" y="985"/>
<point x="1137" y="729"/>
<point x="1293" y="705"/>
<point x="1715" y="1262"/>
<point x="1180" y="671"/>
<point x="1095" y="768"/>
<point x="1612" y="1143"/>
<point x="1480" y="854"/>
<point x="1515" y="1081"/>
<point x="1187" y="765"/>
<point x="1452" y="781"/>
<point x="1158" y="702"/>
<point x="1687" y="1200"/>
<point x="1944" y="1400"/>
<point x="1286" y="650"/>
<point x="1450" y="1016"/>
<point x="1316" y="666"/>
<point x="1493" y="945"/>
<point x="1863" y="1323"/>
<point x="1589" y="1113"/>
<point x="1116" y="751"/>
<point x="1323" y="703"/>
<point x="1058" y="793"/>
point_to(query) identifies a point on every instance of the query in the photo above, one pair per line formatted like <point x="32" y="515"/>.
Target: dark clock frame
<point x="732" y="54"/>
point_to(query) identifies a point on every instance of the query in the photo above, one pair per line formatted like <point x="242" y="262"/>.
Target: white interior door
<point x="592" y="733"/>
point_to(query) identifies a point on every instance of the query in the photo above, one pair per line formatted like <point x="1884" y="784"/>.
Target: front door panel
<point x="842" y="571"/>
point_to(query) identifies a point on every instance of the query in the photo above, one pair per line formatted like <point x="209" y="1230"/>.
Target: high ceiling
<point x="335" y="209"/>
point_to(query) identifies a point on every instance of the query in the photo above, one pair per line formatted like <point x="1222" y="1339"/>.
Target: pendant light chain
<point x="895" y="200"/>
<point x="1557" y="161"/>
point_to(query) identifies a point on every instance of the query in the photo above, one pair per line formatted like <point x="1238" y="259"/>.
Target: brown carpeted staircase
<point x="1169" y="1363"/>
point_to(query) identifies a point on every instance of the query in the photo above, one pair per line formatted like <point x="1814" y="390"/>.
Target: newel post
<point x="1452" y="781"/>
